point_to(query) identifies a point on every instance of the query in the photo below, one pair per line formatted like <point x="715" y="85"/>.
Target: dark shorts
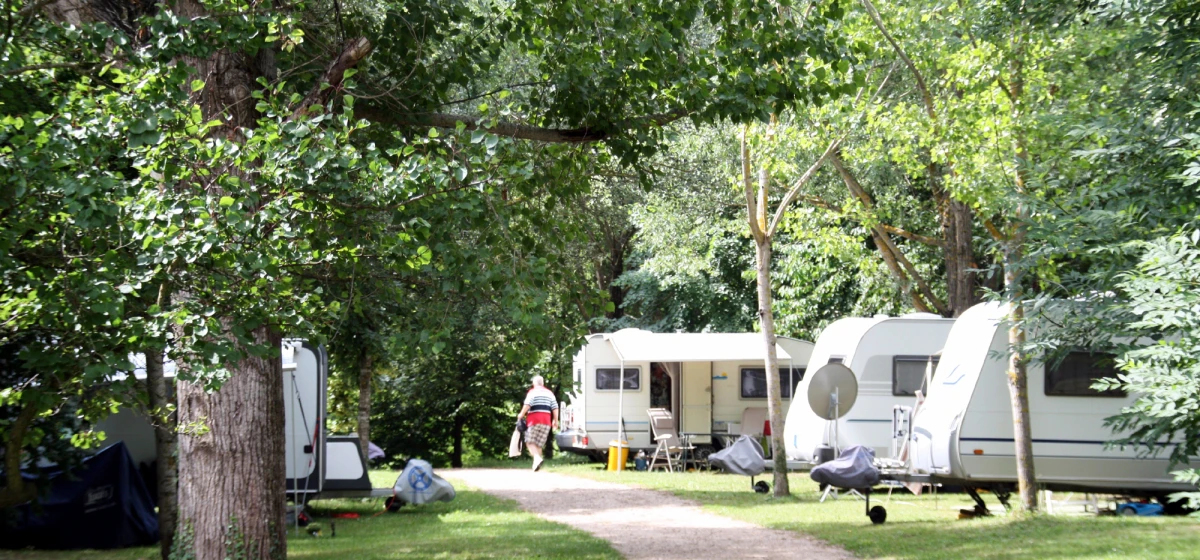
<point x="537" y="435"/>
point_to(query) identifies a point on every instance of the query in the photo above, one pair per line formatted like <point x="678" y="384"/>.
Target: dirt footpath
<point x="641" y="523"/>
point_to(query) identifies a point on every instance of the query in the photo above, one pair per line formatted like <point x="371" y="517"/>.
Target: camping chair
<point x="669" y="447"/>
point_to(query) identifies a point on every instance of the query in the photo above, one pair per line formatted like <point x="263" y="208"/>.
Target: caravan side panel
<point x="603" y="406"/>
<point x="803" y="429"/>
<point x="869" y="421"/>
<point x="936" y="425"/>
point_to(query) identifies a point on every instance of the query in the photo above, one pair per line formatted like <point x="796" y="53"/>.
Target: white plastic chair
<point x="669" y="448"/>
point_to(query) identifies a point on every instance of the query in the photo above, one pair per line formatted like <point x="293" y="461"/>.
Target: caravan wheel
<point x="878" y="515"/>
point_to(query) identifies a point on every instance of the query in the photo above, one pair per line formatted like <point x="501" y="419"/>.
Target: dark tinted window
<point x="606" y="379"/>
<point x="908" y="373"/>
<point x="1075" y="374"/>
<point x="754" y="382"/>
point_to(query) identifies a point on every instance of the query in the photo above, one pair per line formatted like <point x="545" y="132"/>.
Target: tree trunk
<point x="1014" y="249"/>
<point x="16" y="491"/>
<point x="958" y="250"/>
<point x="166" y="444"/>
<point x="456" y="455"/>
<point x="766" y="319"/>
<point x="231" y="467"/>
<point x="1018" y="381"/>
<point x="365" y="376"/>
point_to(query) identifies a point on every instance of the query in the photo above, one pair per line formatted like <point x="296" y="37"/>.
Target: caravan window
<point x="606" y="379"/>
<point x="754" y="382"/>
<point x="908" y="373"/>
<point x="1075" y="374"/>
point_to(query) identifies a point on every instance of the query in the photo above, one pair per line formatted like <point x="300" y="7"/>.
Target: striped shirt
<point x="541" y="402"/>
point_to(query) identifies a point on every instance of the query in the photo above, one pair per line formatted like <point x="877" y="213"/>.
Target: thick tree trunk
<point x="766" y="319"/>
<point x="16" y="491"/>
<point x="166" y="445"/>
<point x="959" y="253"/>
<point x="365" y="377"/>
<point x="231" y="468"/>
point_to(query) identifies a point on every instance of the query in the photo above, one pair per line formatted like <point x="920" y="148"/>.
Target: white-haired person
<point x="540" y="413"/>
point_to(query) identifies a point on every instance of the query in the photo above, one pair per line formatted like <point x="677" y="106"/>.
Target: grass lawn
<point x="919" y="527"/>
<point x="474" y="525"/>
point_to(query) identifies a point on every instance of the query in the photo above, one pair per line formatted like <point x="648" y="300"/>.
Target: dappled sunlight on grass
<point x="918" y="526"/>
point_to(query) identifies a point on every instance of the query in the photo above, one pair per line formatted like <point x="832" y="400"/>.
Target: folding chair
<point x="669" y="447"/>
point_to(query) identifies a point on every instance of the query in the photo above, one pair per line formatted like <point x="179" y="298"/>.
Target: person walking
<point x="540" y="412"/>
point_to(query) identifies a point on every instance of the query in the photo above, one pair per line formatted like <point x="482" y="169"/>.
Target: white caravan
<point x="963" y="433"/>
<point x="317" y="463"/>
<point x="889" y="356"/>
<point x="707" y="380"/>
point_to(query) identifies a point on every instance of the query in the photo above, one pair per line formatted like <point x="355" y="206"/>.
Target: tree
<point x="243" y="167"/>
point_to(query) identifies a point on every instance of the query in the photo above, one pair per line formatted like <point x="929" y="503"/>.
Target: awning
<point x="635" y="345"/>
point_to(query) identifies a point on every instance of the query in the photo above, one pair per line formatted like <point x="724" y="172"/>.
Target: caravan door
<point x="305" y="373"/>
<point x="696" y="399"/>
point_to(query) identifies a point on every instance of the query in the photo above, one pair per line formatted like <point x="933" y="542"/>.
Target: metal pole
<point x="295" y="458"/>
<point x="620" y="413"/>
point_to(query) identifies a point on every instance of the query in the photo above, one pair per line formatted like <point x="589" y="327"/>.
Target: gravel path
<point x="641" y="523"/>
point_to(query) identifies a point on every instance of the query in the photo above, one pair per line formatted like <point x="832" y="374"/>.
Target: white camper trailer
<point x="316" y="463"/>
<point x="707" y="380"/>
<point x="962" y="433"/>
<point x="889" y="356"/>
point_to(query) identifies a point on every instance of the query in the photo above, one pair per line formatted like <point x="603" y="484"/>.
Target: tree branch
<point x="46" y="66"/>
<point x="822" y="203"/>
<point x="994" y="231"/>
<point x="857" y="190"/>
<point x="835" y="145"/>
<point x="580" y="135"/>
<point x="926" y="97"/>
<point x="912" y="236"/>
<point x="356" y="50"/>
<point x="748" y="186"/>
<point x="34" y="7"/>
<point x="799" y="184"/>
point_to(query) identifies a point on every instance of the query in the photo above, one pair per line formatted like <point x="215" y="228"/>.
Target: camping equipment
<point x="101" y="504"/>
<point x="418" y="485"/>
<point x="853" y="470"/>
<point x="744" y="457"/>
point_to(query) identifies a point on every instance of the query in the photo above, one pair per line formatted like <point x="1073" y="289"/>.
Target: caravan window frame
<point x="742" y="381"/>
<point x="911" y="358"/>
<point x="1088" y="392"/>
<point x="596" y="377"/>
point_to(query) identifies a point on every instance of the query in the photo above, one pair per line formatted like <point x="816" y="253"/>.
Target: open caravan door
<point x="316" y="463"/>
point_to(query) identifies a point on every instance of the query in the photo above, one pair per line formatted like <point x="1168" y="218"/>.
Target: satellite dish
<point x="822" y="386"/>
